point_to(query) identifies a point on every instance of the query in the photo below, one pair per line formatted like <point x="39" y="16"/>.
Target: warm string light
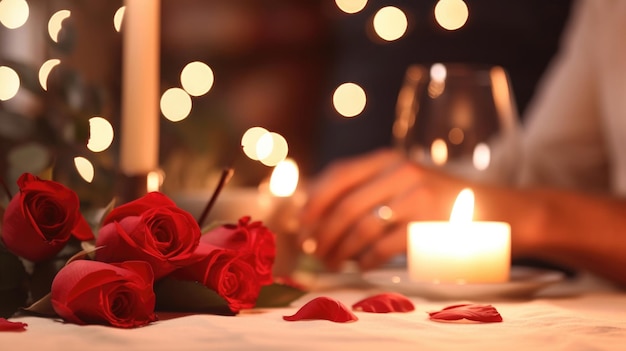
<point x="10" y="83"/>
<point x="44" y="72"/>
<point x="351" y="6"/>
<point x="55" y="24"/>
<point x="349" y="99"/>
<point x="100" y="134"/>
<point x="390" y="23"/>
<point x="451" y="14"/>
<point x="267" y="147"/>
<point x="14" y="13"/>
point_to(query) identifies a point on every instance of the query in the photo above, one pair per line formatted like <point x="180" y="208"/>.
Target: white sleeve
<point x="562" y="141"/>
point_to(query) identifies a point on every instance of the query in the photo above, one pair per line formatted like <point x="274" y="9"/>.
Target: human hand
<point x="359" y="208"/>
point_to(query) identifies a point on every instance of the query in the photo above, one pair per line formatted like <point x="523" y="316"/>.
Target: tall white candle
<point x="140" y="87"/>
<point x="459" y="251"/>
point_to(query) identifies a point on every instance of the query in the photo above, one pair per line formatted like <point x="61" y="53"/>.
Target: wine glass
<point x="459" y="117"/>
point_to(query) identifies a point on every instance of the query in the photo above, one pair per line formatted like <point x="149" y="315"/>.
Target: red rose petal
<point x="472" y="312"/>
<point x="384" y="303"/>
<point x="6" y="325"/>
<point x="323" y="308"/>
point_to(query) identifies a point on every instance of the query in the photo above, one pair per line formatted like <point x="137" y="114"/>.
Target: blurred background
<point x="276" y="64"/>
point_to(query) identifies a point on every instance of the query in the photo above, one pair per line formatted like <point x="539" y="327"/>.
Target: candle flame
<point x="463" y="209"/>
<point x="284" y="179"/>
<point x="154" y="181"/>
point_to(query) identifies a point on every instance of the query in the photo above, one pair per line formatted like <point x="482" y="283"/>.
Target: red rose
<point x="248" y="236"/>
<point x="228" y="273"/>
<point x="91" y="292"/>
<point x="150" y="229"/>
<point x="41" y="218"/>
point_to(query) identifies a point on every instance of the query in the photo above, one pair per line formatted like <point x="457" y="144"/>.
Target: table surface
<point x="580" y="314"/>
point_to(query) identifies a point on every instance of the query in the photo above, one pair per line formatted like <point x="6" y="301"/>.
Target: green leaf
<point x="42" y="307"/>
<point x="107" y="209"/>
<point x="174" y="295"/>
<point x="278" y="295"/>
<point x="13" y="283"/>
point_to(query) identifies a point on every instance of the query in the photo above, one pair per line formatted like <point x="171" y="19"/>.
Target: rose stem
<point x="6" y="188"/>
<point x="227" y="173"/>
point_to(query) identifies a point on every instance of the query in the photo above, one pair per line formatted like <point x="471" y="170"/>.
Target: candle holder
<point x="132" y="187"/>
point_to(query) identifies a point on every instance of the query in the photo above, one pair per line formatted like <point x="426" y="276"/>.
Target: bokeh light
<point x="390" y="23"/>
<point x="56" y="22"/>
<point x="278" y="149"/>
<point x="351" y="6"/>
<point x="100" y="134"/>
<point x="175" y="104"/>
<point x="349" y="99"/>
<point x="118" y="18"/>
<point x="197" y="78"/>
<point x="284" y="179"/>
<point x="439" y="152"/>
<point x="154" y="180"/>
<point x="482" y="156"/>
<point x="456" y="136"/>
<point x="250" y="140"/>
<point x="85" y="168"/>
<point x="437" y="84"/>
<point x="10" y="83"/>
<point x="45" y="70"/>
<point x="264" y="146"/>
<point x="13" y="13"/>
<point x="451" y="14"/>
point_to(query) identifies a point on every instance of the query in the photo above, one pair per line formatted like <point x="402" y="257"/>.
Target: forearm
<point x="581" y="231"/>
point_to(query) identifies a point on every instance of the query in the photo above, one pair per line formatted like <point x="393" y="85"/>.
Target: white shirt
<point x="575" y="131"/>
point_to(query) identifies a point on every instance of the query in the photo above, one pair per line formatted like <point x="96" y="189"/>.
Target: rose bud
<point x="41" y="218"/>
<point x="251" y="236"/>
<point x="150" y="229"/>
<point x="91" y="292"/>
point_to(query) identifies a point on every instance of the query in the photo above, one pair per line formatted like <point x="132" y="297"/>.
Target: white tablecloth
<point x="571" y="316"/>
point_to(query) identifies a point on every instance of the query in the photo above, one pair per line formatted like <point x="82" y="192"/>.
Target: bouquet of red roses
<point x="143" y="254"/>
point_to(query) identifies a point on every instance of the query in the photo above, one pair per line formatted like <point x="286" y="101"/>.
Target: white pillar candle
<point x="140" y="87"/>
<point x="459" y="251"/>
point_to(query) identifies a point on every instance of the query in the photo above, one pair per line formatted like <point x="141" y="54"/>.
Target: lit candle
<point x="140" y="87"/>
<point x="461" y="250"/>
<point x="287" y="201"/>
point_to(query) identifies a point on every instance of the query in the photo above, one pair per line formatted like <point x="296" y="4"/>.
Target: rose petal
<point x="384" y="303"/>
<point x="6" y="325"/>
<point x="323" y="308"/>
<point x="471" y="312"/>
